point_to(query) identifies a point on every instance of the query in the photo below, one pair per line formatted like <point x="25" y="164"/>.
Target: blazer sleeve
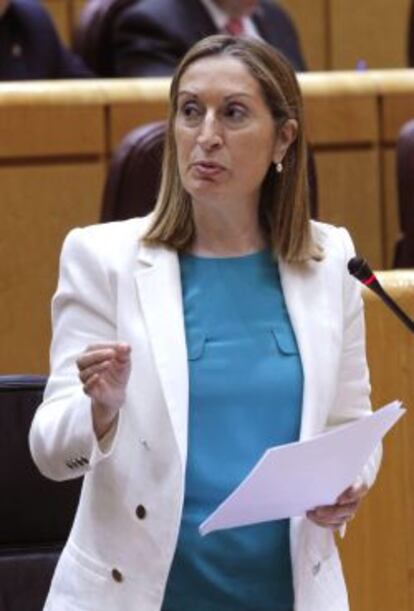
<point x="353" y="387"/>
<point x="62" y="440"/>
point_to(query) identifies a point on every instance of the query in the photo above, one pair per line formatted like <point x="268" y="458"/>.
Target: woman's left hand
<point x="344" y="510"/>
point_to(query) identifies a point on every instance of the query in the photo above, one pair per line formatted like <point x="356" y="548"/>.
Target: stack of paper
<point x="291" y="479"/>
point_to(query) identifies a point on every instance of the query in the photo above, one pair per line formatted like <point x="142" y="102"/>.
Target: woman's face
<point x="225" y="134"/>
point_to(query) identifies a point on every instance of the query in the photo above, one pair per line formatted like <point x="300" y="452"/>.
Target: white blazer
<point x="113" y="287"/>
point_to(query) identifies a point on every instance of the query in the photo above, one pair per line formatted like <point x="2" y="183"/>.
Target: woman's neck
<point x="222" y="231"/>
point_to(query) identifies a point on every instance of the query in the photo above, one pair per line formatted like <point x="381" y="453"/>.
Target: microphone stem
<point x="395" y="308"/>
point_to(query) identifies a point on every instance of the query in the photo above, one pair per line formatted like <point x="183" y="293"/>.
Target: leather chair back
<point x="404" y="249"/>
<point x="410" y="45"/>
<point x="93" y="34"/>
<point x="36" y="514"/>
<point x="134" y="174"/>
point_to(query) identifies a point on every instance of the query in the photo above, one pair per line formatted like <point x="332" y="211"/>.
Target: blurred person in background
<point x="151" y="36"/>
<point x="30" y="48"/>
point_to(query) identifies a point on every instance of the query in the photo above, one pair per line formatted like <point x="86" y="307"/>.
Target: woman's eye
<point x="235" y="112"/>
<point x="190" y="110"/>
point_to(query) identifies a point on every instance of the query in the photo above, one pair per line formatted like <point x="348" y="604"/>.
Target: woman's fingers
<point x="98" y="353"/>
<point x="352" y="494"/>
<point x="332" y="515"/>
<point x="104" y="371"/>
<point x="122" y="352"/>
<point x="104" y="345"/>
<point x="331" y="525"/>
<point x="93" y="358"/>
<point x="93" y="370"/>
<point x="344" y="510"/>
<point x="91" y="383"/>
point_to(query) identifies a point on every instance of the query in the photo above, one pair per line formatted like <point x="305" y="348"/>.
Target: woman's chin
<point x="204" y="187"/>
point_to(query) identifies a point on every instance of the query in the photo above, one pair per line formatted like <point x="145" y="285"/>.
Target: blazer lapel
<point x="307" y="302"/>
<point x="159" y="291"/>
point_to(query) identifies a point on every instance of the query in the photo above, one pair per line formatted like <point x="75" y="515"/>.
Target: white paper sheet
<point x="291" y="479"/>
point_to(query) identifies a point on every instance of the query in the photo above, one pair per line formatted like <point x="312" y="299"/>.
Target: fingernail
<point x="124" y="346"/>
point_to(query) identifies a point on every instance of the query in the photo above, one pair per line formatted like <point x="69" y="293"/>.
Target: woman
<point x="187" y="342"/>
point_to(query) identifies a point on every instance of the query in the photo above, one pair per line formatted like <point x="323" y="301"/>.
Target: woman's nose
<point x="210" y="135"/>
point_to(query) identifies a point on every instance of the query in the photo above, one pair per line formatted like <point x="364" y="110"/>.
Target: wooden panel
<point x="374" y="551"/>
<point x="378" y="550"/>
<point x="341" y="107"/>
<point x="126" y="117"/>
<point x="134" y="102"/>
<point x="60" y="12"/>
<point x="310" y="19"/>
<point x="391" y="353"/>
<point x="396" y="110"/>
<point x="372" y="31"/>
<point x="44" y="130"/>
<point x="38" y="207"/>
<point x="349" y="195"/>
<point x="341" y="119"/>
<point x="391" y="223"/>
<point x="411" y="588"/>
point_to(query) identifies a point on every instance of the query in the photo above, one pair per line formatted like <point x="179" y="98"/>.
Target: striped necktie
<point x="234" y="26"/>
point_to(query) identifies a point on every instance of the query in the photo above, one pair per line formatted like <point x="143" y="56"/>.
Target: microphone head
<point x="358" y="267"/>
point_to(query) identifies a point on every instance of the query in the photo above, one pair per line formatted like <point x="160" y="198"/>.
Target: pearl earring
<point x="279" y="167"/>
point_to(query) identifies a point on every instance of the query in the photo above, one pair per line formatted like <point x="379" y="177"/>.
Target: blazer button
<point x="141" y="512"/>
<point x="117" y="575"/>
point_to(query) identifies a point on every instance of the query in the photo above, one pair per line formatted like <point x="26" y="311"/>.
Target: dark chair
<point x="135" y="171"/>
<point x="411" y="37"/>
<point x="93" y="34"/>
<point x="134" y="174"/>
<point x="35" y="513"/>
<point x="404" y="249"/>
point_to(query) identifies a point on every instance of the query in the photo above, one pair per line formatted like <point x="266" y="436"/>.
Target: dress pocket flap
<point x="195" y="344"/>
<point x="285" y="339"/>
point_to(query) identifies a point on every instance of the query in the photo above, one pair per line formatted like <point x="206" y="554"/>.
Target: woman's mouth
<point x="207" y="169"/>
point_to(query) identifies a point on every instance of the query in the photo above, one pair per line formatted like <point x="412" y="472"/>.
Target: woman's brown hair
<point x="284" y="202"/>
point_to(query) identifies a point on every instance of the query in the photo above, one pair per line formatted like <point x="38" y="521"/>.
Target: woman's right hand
<point x="104" y="372"/>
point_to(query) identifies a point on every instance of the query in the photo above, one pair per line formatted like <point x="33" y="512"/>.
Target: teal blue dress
<point x="245" y="395"/>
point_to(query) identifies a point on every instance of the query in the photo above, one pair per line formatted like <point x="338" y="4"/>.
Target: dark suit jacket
<point x="151" y="36"/>
<point x="30" y="47"/>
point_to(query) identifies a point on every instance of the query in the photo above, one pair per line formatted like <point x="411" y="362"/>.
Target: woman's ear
<point x="287" y="133"/>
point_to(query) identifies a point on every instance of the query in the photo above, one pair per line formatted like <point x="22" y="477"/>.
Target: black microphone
<point x="359" y="268"/>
